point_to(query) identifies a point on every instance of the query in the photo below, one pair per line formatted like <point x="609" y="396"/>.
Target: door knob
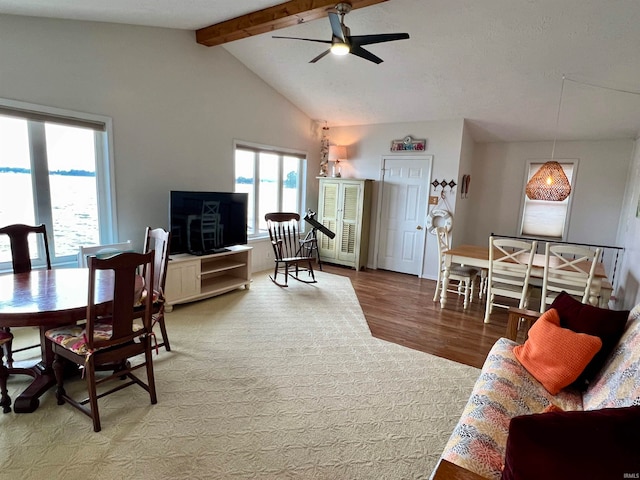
<point x="419" y="227"/>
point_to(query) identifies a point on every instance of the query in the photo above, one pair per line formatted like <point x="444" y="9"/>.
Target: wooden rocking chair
<point x="289" y="249"/>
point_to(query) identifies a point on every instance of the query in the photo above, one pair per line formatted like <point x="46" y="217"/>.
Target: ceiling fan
<point x="342" y="42"/>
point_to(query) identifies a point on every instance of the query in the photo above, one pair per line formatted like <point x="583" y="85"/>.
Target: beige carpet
<point x="265" y="383"/>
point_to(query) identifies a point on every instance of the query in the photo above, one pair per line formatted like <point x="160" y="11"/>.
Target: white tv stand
<point x="191" y="277"/>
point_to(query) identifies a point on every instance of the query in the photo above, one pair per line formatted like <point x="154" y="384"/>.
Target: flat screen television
<point x="207" y="222"/>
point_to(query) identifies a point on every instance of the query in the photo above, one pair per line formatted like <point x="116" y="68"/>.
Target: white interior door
<point x="403" y="213"/>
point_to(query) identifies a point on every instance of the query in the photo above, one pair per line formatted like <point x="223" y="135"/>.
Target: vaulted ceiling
<point x="497" y="63"/>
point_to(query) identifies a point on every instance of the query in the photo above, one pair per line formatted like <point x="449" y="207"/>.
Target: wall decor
<point x="464" y="186"/>
<point x="408" y="143"/>
<point x="324" y="151"/>
<point x="443" y="184"/>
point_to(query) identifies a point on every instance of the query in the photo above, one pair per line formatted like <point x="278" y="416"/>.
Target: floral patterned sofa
<point x="506" y="395"/>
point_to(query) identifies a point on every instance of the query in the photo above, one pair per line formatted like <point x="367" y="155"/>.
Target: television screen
<point x="207" y="222"/>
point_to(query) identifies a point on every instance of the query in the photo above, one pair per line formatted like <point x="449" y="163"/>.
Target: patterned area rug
<point x="262" y="383"/>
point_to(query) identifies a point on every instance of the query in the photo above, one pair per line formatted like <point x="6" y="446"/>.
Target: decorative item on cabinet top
<point x="337" y="153"/>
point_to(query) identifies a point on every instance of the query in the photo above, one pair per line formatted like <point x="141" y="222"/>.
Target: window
<point x="547" y="219"/>
<point x="274" y="180"/>
<point x="55" y="169"/>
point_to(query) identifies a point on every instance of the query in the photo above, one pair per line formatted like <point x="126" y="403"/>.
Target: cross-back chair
<point x="111" y="336"/>
<point x="570" y="268"/>
<point x="465" y="276"/>
<point x="158" y="240"/>
<point x="290" y="250"/>
<point x="19" y="235"/>
<point x="510" y="264"/>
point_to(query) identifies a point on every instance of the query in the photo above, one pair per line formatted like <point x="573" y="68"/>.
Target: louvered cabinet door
<point x="344" y="208"/>
<point x="328" y="216"/>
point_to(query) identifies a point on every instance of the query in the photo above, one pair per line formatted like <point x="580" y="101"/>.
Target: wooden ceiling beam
<point x="269" y="19"/>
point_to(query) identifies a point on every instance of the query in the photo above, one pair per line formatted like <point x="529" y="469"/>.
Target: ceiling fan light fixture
<point x="339" y="48"/>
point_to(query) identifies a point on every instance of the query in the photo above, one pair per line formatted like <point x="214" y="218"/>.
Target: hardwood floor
<point x="399" y="308"/>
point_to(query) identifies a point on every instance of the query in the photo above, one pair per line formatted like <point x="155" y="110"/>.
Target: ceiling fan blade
<point x="305" y="39"/>
<point x="336" y="26"/>
<point x="320" y="56"/>
<point x="379" y="38"/>
<point x="362" y="53"/>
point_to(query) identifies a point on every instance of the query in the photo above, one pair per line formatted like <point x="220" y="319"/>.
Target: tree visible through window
<point x="543" y="218"/>
<point x="52" y="168"/>
<point x="274" y="181"/>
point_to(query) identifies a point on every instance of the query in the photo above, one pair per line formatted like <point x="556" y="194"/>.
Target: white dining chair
<point x="102" y="251"/>
<point x="569" y="268"/>
<point x="464" y="276"/>
<point x="510" y="264"/>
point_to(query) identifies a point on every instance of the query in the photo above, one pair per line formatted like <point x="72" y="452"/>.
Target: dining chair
<point x="102" y="251"/>
<point x="569" y="268"/>
<point x="510" y="264"/>
<point x="19" y="235"/>
<point x="158" y="240"/>
<point x="111" y="336"/>
<point x="289" y="248"/>
<point x="465" y="276"/>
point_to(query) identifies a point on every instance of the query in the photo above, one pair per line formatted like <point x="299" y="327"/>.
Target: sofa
<point x="521" y="423"/>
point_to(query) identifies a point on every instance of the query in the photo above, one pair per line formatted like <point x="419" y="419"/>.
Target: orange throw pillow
<point x="556" y="356"/>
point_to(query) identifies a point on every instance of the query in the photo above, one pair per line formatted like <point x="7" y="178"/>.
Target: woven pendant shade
<point x="549" y="183"/>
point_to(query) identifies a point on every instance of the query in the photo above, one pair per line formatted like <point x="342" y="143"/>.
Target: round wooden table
<point x="46" y="299"/>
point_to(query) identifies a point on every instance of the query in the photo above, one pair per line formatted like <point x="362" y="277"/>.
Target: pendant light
<point x="550" y="183"/>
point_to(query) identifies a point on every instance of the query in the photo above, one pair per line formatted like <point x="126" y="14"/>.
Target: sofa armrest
<point x="515" y="314"/>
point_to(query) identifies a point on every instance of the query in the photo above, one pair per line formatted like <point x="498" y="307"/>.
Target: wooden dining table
<point x="478" y="256"/>
<point x="46" y="299"/>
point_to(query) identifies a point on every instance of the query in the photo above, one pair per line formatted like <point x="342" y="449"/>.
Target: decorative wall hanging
<point x="464" y="186"/>
<point x="324" y="151"/>
<point x="440" y="215"/>
<point x="443" y="183"/>
<point x="408" y="143"/>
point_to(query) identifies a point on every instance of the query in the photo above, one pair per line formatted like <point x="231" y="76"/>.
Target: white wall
<point x="466" y="207"/>
<point x="368" y="144"/>
<point x="176" y="105"/>
<point x="498" y="181"/>
<point x="628" y="286"/>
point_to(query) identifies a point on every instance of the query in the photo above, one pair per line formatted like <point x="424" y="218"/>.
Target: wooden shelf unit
<point x="191" y="277"/>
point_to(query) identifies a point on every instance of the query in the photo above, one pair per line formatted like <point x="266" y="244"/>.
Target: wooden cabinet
<point x="191" y="277"/>
<point x="344" y="207"/>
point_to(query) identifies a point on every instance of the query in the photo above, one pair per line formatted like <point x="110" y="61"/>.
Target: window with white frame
<point x="274" y="180"/>
<point x="55" y="169"/>
<point x="547" y="219"/>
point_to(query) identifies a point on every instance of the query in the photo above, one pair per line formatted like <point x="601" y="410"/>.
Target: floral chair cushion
<point x="74" y="337"/>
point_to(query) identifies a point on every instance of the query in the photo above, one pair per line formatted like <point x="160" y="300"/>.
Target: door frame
<point x="427" y="185"/>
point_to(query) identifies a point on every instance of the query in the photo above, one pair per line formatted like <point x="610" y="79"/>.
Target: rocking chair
<point x="289" y="248"/>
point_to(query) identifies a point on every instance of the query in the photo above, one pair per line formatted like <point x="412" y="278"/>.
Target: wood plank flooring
<point x="399" y="308"/>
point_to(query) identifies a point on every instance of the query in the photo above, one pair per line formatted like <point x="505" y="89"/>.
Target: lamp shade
<point x="549" y="183"/>
<point x="337" y="152"/>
